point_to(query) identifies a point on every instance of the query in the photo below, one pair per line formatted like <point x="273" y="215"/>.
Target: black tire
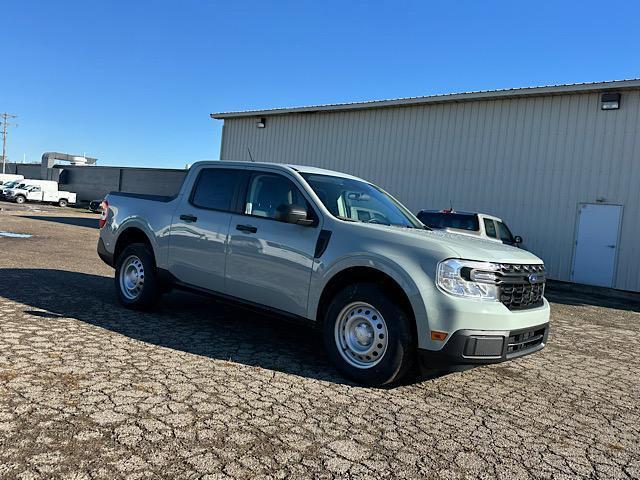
<point x="399" y="355"/>
<point x="63" y="202"/>
<point x="150" y="290"/>
<point x="20" y="199"/>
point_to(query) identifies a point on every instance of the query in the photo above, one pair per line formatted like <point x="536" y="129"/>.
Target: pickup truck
<point x="384" y="290"/>
<point x="468" y="223"/>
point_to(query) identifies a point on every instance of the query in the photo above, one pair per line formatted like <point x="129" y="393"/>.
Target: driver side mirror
<point x="295" y="214"/>
<point x="517" y="239"/>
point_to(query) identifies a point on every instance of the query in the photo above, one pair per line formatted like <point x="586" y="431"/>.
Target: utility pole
<point x="4" y="121"/>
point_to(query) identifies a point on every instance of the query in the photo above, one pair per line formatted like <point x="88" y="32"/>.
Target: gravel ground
<point x="202" y="390"/>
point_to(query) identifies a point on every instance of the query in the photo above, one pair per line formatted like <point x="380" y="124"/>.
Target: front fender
<point x="323" y="273"/>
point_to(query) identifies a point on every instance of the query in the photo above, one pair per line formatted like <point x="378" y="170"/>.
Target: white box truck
<point x="40" y="191"/>
<point x="6" y="178"/>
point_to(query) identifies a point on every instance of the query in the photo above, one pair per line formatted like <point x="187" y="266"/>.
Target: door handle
<point x="189" y="218"/>
<point x="246" y="228"/>
<point x="611" y="246"/>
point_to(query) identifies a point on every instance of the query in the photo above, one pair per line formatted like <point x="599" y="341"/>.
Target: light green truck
<point x="384" y="291"/>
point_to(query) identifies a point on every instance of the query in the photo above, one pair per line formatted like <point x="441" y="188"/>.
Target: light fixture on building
<point x="261" y="123"/>
<point x="610" y="101"/>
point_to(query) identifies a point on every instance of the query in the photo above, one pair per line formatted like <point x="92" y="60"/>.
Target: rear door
<point x="199" y="231"/>
<point x="270" y="261"/>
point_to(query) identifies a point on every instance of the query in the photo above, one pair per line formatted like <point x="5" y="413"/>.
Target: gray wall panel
<point x="530" y="160"/>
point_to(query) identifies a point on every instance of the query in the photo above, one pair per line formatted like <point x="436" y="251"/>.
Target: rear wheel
<point x="367" y="335"/>
<point x="20" y="199"/>
<point x="136" y="279"/>
<point x="63" y="202"/>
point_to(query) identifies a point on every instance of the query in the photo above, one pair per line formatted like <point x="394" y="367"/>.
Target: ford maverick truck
<point x="383" y="289"/>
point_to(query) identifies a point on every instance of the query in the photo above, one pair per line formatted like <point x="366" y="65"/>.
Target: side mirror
<point x="293" y="214"/>
<point x="517" y="239"/>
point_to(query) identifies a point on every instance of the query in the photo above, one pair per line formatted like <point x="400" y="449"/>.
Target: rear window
<point x="215" y="188"/>
<point x="460" y="221"/>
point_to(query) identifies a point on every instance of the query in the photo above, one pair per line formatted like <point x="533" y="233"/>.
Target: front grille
<point x="521" y="286"/>
<point x="521" y="341"/>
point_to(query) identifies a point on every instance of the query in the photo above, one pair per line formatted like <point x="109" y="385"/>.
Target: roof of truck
<point x="297" y="168"/>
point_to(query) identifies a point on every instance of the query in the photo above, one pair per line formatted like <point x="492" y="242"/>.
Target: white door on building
<point x="596" y="244"/>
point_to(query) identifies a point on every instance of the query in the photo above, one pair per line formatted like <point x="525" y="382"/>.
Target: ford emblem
<point x="533" y="278"/>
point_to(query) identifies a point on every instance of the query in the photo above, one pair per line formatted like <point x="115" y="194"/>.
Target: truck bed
<point x="144" y="196"/>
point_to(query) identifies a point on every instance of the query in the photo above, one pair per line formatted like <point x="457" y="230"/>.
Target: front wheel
<point x="136" y="279"/>
<point x="367" y="335"/>
<point x="20" y="199"/>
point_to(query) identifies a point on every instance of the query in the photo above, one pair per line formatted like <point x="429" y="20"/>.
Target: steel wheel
<point x="361" y="335"/>
<point x="132" y="277"/>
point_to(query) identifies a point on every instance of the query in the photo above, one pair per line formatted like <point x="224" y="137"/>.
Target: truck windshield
<point x="357" y="201"/>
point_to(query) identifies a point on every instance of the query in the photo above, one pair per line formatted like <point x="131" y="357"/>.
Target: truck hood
<point x="466" y="246"/>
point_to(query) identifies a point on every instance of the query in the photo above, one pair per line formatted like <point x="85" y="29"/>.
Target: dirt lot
<point x="203" y="390"/>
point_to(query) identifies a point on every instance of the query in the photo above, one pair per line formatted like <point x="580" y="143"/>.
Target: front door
<point x="199" y="229"/>
<point x="596" y="244"/>
<point x="270" y="261"/>
<point x="35" y="194"/>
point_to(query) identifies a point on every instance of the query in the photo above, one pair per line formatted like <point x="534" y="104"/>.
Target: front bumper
<point x="479" y="347"/>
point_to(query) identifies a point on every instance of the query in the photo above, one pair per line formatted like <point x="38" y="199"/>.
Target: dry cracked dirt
<point x="199" y="390"/>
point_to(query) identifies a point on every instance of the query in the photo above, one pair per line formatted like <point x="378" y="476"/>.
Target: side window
<point x="490" y="228"/>
<point x="215" y="188"/>
<point x="268" y="192"/>
<point x="34" y="189"/>
<point x="504" y="233"/>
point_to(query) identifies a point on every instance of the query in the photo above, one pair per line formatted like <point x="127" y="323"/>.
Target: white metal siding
<point x="530" y="160"/>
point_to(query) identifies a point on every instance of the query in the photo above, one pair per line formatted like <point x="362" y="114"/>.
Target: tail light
<point x="104" y="206"/>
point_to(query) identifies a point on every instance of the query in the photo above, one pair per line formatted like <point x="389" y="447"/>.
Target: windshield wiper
<point x="346" y="219"/>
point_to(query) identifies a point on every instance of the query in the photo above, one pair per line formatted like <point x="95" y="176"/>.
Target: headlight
<point x="468" y="279"/>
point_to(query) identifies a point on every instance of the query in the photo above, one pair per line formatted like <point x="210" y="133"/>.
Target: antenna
<point x="250" y="156"/>
<point x="451" y="205"/>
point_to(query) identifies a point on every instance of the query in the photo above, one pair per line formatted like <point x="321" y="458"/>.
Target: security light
<point x="261" y="122"/>
<point x="610" y="101"/>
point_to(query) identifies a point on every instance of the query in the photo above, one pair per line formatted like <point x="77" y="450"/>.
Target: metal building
<point x="561" y="164"/>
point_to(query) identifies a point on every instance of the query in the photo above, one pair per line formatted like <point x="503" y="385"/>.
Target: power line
<point x="4" y="121"/>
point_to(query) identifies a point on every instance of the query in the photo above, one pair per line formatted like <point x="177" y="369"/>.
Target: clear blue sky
<point x="133" y="82"/>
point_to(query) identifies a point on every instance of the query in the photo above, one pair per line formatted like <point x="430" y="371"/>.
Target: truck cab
<point x="479" y="225"/>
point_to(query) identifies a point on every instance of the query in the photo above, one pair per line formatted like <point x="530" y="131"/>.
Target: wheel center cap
<point x="364" y="333"/>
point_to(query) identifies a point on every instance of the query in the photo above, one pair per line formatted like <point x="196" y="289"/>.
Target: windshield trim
<point x="410" y="217"/>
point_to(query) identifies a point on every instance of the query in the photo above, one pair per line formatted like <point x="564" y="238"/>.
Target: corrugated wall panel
<point x="529" y="160"/>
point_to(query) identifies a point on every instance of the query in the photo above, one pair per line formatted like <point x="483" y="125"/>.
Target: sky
<point x="133" y="82"/>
